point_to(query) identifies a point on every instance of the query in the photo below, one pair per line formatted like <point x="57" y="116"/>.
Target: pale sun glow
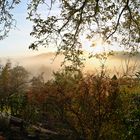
<point x="98" y="46"/>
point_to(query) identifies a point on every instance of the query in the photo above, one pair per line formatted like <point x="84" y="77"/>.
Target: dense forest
<point x="70" y="106"/>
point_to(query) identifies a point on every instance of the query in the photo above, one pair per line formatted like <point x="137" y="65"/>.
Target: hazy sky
<point x="18" y="40"/>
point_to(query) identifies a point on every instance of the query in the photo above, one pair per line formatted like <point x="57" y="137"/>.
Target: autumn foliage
<point x="75" y="105"/>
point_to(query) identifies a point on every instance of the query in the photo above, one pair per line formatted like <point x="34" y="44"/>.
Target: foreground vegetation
<point x="71" y="105"/>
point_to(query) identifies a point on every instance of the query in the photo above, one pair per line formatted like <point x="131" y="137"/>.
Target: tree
<point x="116" y="20"/>
<point x="13" y="86"/>
<point x="19" y="81"/>
<point x="5" y="85"/>
<point x="36" y="97"/>
<point x="84" y="107"/>
<point x="6" y="17"/>
<point x="36" y="94"/>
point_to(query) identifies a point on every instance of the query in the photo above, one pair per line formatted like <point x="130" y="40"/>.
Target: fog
<point x="46" y="63"/>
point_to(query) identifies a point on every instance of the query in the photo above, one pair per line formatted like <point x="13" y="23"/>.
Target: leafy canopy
<point x="6" y="18"/>
<point x="112" y="20"/>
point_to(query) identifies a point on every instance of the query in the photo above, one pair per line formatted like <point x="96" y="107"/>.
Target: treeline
<point x="76" y="106"/>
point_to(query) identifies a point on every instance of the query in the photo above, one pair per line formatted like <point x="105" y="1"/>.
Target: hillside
<point x="47" y="63"/>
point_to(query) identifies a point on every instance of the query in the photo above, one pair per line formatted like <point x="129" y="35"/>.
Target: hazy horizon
<point x="45" y="63"/>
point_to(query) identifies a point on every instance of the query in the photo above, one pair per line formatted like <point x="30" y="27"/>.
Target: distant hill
<point x="44" y="63"/>
<point x="47" y="63"/>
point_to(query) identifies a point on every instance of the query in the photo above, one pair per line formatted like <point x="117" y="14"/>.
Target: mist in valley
<point x="118" y="64"/>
